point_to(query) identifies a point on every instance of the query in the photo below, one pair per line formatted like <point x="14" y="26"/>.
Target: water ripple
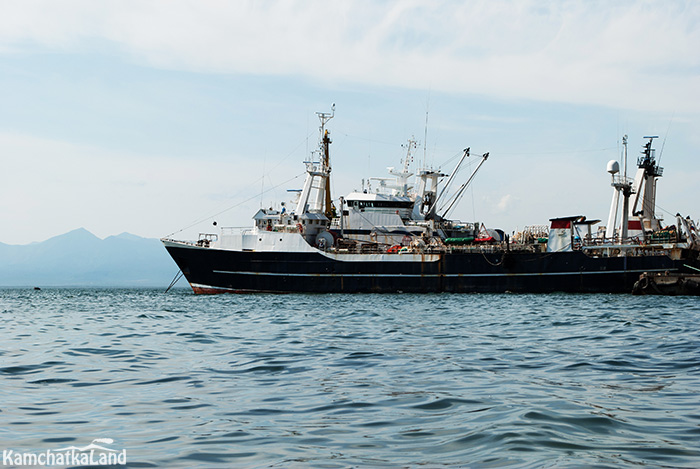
<point x="354" y="380"/>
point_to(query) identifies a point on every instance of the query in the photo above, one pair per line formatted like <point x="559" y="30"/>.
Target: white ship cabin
<point x="395" y="208"/>
<point x="569" y="233"/>
<point x="378" y="218"/>
<point x="270" y="220"/>
<point x="308" y="223"/>
<point x="385" y="215"/>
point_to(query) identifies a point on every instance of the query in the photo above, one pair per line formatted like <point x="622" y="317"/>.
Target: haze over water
<point x="180" y="380"/>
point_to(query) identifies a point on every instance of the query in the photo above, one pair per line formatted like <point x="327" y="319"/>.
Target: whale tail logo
<point x="92" y="446"/>
<point x="107" y="441"/>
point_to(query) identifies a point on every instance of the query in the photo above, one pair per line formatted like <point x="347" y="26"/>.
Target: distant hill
<point x="79" y="258"/>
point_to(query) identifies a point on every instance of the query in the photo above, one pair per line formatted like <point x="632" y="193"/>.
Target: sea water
<point x="443" y="380"/>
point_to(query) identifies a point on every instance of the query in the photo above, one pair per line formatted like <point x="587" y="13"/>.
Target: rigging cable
<point x="252" y="184"/>
<point x="658" y="162"/>
<point x="559" y="152"/>
<point x="234" y="206"/>
<point x="178" y="276"/>
<point x="337" y="131"/>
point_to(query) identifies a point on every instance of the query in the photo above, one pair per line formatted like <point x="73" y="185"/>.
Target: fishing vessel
<point x="395" y="235"/>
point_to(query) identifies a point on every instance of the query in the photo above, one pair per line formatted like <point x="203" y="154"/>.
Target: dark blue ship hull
<point x="215" y="270"/>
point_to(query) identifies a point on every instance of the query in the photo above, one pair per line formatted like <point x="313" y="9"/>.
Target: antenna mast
<point x="326" y="165"/>
<point x="409" y="158"/>
<point x="664" y="142"/>
<point x="425" y="140"/>
<point x="624" y="145"/>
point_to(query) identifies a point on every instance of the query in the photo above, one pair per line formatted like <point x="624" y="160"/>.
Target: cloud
<point x="87" y="133"/>
<point x="506" y="202"/>
<point x="632" y="55"/>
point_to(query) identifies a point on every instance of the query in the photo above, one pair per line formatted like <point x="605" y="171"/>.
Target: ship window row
<point x="379" y="204"/>
<point x="270" y="222"/>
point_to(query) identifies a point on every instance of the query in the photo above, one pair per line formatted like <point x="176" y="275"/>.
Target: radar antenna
<point x="326" y="116"/>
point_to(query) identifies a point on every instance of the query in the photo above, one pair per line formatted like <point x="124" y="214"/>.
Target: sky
<point x="158" y="118"/>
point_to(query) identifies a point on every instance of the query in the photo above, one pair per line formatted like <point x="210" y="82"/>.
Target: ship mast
<point x="401" y="187"/>
<point x="326" y="163"/>
<point x="638" y="212"/>
<point x="648" y="172"/>
<point x="317" y="184"/>
<point x="623" y="186"/>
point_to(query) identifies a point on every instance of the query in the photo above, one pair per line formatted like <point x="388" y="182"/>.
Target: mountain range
<point x="79" y="258"/>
